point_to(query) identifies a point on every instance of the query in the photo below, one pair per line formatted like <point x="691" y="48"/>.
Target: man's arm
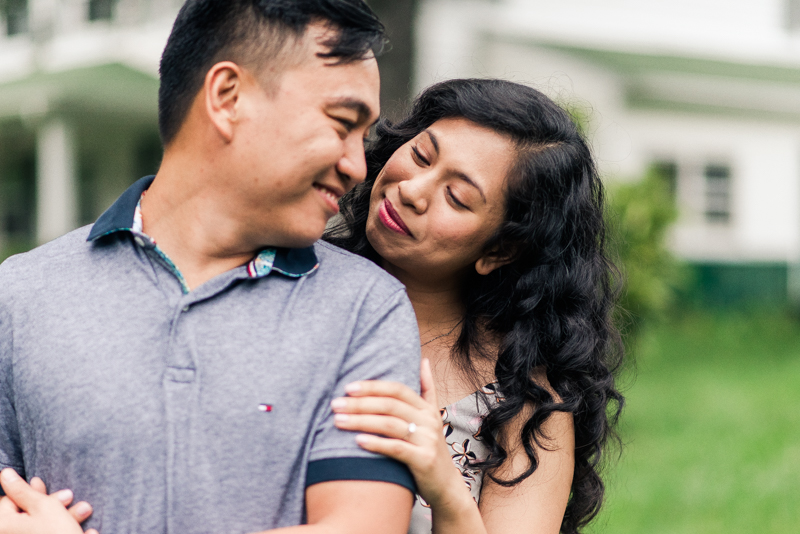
<point x="10" y="445"/>
<point x="340" y="507"/>
<point x="348" y="489"/>
<point x="355" y="507"/>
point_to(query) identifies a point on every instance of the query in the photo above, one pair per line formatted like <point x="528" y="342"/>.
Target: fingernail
<point x="63" y="496"/>
<point x="83" y="509"/>
<point x="338" y="403"/>
<point x="352" y="388"/>
<point x="362" y="438"/>
<point x="9" y="475"/>
<point x="341" y="417"/>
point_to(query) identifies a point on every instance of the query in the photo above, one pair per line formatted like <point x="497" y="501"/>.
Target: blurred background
<point x="693" y="110"/>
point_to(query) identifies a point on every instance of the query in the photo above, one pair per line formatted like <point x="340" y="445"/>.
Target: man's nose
<point x="353" y="163"/>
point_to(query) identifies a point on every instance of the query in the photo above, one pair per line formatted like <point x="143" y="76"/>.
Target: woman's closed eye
<point x="455" y="199"/>
<point x="419" y="157"/>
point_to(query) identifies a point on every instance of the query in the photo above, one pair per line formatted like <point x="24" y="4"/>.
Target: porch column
<point x="56" y="187"/>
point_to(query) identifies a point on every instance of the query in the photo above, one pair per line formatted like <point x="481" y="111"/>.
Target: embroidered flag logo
<point x="265" y="408"/>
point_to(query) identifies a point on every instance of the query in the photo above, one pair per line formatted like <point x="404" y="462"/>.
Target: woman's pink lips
<point x="391" y="219"/>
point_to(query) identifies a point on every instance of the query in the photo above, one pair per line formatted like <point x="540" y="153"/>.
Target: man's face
<point x="300" y="147"/>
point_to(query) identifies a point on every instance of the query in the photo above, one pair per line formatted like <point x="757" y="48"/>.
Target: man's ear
<point x="491" y="261"/>
<point x="223" y="87"/>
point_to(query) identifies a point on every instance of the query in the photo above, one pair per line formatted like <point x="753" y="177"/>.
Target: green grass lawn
<point x="711" y="430"/>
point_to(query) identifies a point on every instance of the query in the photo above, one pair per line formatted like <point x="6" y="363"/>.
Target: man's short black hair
<point x="251" y="33"/>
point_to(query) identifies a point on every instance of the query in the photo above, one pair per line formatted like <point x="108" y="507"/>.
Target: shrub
<point x="639" y="215"/>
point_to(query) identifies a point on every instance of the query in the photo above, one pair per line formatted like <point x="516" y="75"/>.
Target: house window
<point x="16" y="14"/>
<point x="718" y="193"/>
<point x="101" y="9"/>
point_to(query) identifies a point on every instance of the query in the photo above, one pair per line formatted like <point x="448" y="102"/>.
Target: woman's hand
<point x="27" y="509"/>
<point x="411" y="426"/>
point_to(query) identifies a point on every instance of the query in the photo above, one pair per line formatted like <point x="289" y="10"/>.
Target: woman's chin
<point x="379" y="238"/>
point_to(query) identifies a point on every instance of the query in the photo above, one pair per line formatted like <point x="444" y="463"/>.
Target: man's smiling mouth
<point x="330" y="196"/>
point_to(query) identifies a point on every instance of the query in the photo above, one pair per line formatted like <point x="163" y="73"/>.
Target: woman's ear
<point x="491" y="261"/>
<point x="223" y="86"/>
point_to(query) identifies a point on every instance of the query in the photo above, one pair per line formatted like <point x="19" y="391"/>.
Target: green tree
<point x="640" y="214"/>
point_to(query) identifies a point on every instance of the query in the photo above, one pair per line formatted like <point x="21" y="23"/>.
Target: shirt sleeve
<point x="10" y="449"/>
<point x="384" y="346"/>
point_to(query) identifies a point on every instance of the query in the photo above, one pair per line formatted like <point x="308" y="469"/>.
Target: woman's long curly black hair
<point x="551" y="305"/>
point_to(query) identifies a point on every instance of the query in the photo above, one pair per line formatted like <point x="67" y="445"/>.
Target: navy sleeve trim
<point x="374" y="469"/>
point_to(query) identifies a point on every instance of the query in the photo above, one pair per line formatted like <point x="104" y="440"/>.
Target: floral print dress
<point x="461" y="422"/>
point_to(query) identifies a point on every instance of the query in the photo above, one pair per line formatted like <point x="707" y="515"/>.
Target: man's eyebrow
<point x="459" y="175"/>
<point x="359" y="106"/>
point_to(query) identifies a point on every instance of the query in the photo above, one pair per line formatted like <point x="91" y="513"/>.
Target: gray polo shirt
<point x="191" y="412"/>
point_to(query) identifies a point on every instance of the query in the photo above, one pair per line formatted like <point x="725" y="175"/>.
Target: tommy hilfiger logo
<point x="264" y="407"/>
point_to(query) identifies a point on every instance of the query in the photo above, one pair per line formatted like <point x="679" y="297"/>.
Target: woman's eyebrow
<point x="434" y="141"/>
<point x="470" y="181"/>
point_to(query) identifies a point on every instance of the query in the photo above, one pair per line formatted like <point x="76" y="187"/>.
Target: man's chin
<point x="300" y="239"/>
<point x="302" y="243"/>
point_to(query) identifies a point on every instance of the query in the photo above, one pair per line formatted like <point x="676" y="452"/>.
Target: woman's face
<point x="439" y="198"/>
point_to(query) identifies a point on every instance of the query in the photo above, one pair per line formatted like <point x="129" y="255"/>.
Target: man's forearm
<point x="354" y="507"/>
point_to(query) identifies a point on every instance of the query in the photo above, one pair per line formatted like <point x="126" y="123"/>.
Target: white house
<point x="709" y="89"/>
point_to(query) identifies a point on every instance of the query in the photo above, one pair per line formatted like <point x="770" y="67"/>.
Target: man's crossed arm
<point x="338" y="507"/>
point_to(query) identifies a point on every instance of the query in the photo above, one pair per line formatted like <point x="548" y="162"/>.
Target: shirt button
<point x="139" y="241"/>
<point x="185" y="309"/>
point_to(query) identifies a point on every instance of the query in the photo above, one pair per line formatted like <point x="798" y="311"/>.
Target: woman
<point x="486" y="204"/>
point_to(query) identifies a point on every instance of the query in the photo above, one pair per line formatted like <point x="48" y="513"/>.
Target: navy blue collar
<point x="119" y="217"/>
<point x="293" y="262"/>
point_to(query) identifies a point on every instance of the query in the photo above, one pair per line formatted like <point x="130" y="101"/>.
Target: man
<point x="173" y="365"/>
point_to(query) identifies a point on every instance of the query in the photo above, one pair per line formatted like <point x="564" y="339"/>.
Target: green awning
<point x="111" y="88"/>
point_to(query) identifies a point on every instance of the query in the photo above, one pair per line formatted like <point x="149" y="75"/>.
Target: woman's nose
<point x="413" y="193"/>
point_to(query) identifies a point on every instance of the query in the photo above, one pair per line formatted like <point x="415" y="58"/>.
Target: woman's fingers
<point x="7" y="507"/>
<point x="81" y="511"/>
<point x="400" y="450"/>
<point x="64" y="496"/>
<point x="381" y="406"/>
<point x="384" y="425"/>
<point x="27" y="497"/>
<point x="427" y="385"/>
<point x="384" y="388"/>
<point x="38" y="484"/>
<point x="19" y="491"/>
